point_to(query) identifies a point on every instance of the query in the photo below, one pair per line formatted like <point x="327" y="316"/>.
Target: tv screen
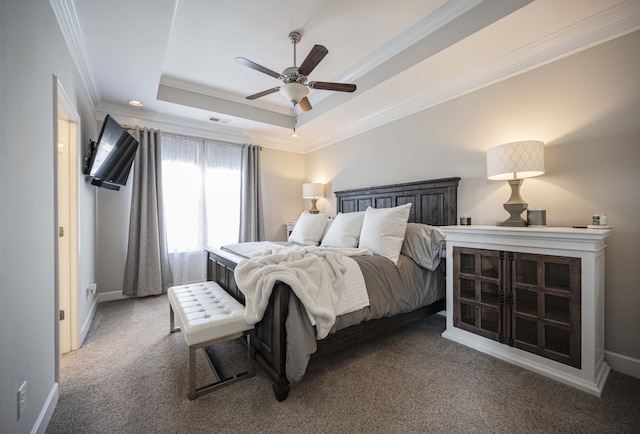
<point x="111" y="159"/>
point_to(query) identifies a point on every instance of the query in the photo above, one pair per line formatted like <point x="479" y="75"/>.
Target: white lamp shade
<point x="312" y="190"/>
<point x="294" y="92"/>
<point x="515" y="160"/>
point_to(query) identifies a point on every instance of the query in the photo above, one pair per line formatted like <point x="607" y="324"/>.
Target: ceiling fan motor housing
<point x="291" y="75"/>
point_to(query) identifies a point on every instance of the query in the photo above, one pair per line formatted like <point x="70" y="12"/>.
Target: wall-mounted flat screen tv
<point x="111" y="157"/>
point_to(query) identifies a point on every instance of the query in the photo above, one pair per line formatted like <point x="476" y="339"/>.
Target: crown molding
<point x="438" y="19"/>
<point x="67" y="17"/>
<point x="612" y="23"/>
<point x="450" y="25"/>
<point x="223" y="106"/>
<point x="217" y="94"/>
<point x="609" y="24"/>
<point x="178" y="125"/>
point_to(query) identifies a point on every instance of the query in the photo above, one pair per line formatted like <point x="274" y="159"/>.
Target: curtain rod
<point x="191" y="136"/>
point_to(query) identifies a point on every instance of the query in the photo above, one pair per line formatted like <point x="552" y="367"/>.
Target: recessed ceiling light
<point x="135" y="103"/>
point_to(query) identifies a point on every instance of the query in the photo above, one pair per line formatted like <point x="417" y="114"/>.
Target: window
<point x="201" y="193"/>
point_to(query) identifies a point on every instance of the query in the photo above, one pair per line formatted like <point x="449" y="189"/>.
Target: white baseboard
<point x="624" y="364"/>
<point x="47" y="411"/>
<point x="111" y="296"/>
<point x="84" y="329"/>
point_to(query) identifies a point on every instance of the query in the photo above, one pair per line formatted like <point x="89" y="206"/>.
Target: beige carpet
<point x="130" y="377"/>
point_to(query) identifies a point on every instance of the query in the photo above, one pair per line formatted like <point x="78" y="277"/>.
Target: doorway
<point x="67" y="136"/>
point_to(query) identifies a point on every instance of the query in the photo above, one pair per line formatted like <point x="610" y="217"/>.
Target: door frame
<point x="64" y="110"/>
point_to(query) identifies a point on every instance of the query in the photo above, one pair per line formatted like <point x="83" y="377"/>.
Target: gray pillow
<point x="423" y="244"/>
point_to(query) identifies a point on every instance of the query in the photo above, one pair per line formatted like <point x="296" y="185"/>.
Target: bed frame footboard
<point x="270" y="333"/>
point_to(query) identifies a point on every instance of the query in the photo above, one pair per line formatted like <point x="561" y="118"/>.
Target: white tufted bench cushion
<point x="205" y="312"/>
<point x="206" y="315"/>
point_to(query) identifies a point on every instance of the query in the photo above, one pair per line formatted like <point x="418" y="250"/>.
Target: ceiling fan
<point x="295" y="87"/>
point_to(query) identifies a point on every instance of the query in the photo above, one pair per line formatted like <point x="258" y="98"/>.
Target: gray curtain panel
<point x="251" y="216"/>
<point x="147" y="270"/>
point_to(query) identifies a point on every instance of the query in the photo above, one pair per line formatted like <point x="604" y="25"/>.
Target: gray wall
<point x="586" y="108"/>
<point x="32" y="51"/>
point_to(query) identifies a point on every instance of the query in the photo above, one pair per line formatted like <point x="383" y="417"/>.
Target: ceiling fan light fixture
<point x="294" y="92"/>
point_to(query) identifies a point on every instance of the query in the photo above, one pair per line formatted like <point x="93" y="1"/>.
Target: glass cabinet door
<point x="478" y="292"/>
<point x="528" y="301"/>
<point x="544" y="299"/>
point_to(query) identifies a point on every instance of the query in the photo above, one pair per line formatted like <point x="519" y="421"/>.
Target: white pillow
<point x="423" y="244"/>
<point x="309" y="229"/>
<point x="326" y="228"/>
<point x="344" y="231"/>
<point x="383" y="230"/>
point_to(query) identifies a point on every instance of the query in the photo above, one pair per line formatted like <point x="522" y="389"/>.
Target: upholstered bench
<point x="207" y="315"/>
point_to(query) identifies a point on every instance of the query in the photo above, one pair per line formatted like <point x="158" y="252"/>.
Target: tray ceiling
<point x="177" y="57"/>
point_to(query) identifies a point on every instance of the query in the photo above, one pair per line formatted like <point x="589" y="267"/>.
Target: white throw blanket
<point x="326" y="280"/>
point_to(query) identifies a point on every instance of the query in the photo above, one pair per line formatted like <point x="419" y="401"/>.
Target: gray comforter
<point x="392" y="290"/>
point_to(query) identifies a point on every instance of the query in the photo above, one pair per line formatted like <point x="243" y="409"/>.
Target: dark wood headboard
<point x="435" y="202"/>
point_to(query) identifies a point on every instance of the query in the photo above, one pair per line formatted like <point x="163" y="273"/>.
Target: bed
<point x="433" y="202"/>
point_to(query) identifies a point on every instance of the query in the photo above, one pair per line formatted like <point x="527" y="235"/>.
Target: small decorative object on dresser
<point x="536" y="217"/>
<point x="531" y="296"/>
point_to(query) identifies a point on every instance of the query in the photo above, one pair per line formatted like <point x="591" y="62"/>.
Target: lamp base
<point x="515" y="206"/>
<point x="509" y="222"/>
<point x="313" y="209"/>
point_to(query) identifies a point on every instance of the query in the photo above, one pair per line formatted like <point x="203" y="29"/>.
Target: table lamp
<point x="313" y="191"/>
<point x="514" y="162"/>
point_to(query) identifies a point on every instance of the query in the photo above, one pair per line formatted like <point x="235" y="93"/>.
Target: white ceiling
<point x="177" y="57"/>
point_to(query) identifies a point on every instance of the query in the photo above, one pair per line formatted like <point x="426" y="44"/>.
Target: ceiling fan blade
<point x="340" y="87"/>
<point x="263" y="93"/>
<point x="314" y="57"/>
<point x="304" y="104"/>
<point x="253" y="65"/>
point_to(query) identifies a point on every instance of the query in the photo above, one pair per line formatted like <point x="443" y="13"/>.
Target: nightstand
<point x="290" y="225"/>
